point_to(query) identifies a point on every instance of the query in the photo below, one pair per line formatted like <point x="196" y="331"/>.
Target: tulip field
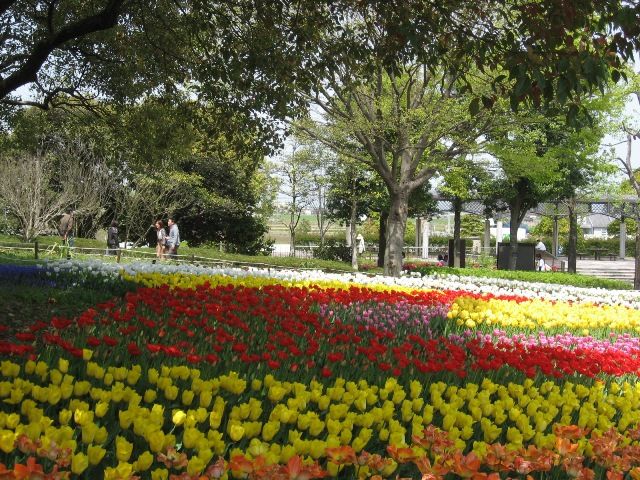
<point x="203" y="373"/>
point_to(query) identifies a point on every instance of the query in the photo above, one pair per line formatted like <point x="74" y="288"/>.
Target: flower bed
<point x="205" y="373"/>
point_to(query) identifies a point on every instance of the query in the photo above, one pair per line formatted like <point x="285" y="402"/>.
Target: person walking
<point x="66" y="228"/>
<point x="360" y="243"/>
<point x="161" y="235"/>
<point x="173" y="241"/>
<point x="112" y="239"/>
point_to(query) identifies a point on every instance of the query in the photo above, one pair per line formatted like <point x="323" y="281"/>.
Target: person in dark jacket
<point x="112" y="239"/>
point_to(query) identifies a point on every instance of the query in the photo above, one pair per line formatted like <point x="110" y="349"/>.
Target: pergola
<point x="619" y="208"/>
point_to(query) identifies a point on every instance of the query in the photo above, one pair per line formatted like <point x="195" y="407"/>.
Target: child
<point x="541" y="265"/>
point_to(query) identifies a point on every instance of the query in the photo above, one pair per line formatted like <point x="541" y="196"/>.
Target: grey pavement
<point x="618" y="269"/>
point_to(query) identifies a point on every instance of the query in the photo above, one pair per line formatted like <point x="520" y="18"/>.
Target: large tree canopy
<point x="256" y="55"/>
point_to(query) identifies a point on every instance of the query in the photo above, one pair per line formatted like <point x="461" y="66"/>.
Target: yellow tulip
<point x="64" y="416"/>
<point x="156" y="441"/>
<point x="236" y="432"/>
<point x="150" y="396"/>
<point x="205" y="398"/>
<point x="101" y="409"/>
<point x="187" y="397"/>
<point x="79" y="463"/>
<point x="63" y="365"/>
<point x="144" y="461"/>
<point x="160" y="474"/>
<point x="124" y="470"/>
<point x="178" y="417"/>
<point x="7" y="441"/>
<point x="95" y="454"/>
<point x="89" y="432"/>
<point x="190" y="437"/>
<point x="124" y="449"/>
<point x="30" y="367"/>
<point x="171" y="392"/>
<point x="101" y="435"/>
<point x="195" y="466"/>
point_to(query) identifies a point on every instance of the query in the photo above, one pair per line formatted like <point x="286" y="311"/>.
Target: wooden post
<point x="35" y="249"/>
<point x="118" y="256"/>
<point x="623" y="238"/>
<point x="193" y="258"/>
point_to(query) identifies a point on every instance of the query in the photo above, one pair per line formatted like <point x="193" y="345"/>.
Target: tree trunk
<point x="457" y="208"/>
<point x="292" y="242"/>
<point x="352" y="234"/>
<point x="322" y="233"/>
<point x="636" y="275"/>
<point x="382" y="237"/>
<point x="514" y="224"/>
<point x="320" y="218"/>
<point x="396" y="225"/>
<point x="487" y="237"/>
<point x="573" y="237"/>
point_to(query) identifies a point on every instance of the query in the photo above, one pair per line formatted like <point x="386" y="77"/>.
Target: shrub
<point x="542" y="277"/>
<point x="333" y="250"/>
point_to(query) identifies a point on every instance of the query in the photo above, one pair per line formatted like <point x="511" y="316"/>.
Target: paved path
<point x="614" y="269"/>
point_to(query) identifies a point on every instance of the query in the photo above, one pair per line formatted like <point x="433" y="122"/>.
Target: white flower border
<point x="479" y="285"/>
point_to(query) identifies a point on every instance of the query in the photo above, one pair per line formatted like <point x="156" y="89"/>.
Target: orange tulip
<point x="565" y="448"/>
<point x="4" y="473"/>
<point x="216" y="470"/>
<point x="241" y="464"/>
<point x="572" y="432"/>
<point x="402" y="454"/>
<point x="296" y="470"/>
<point x="375" y="462"/>
<point x="466" y="466"/>
<point x="31" y="471"/>
<point x="430" y="472"/>
<point x="634" y="473"/>
<point x="173" y="459"/>
<point x="499" y="458"/>
<point x="343" y="455"/>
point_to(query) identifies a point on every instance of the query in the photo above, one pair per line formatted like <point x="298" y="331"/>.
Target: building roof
<point x="596" y="220"/>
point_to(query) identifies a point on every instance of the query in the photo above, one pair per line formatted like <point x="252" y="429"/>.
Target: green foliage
<point x="333" y="250"/>
<point x="370" y="230"/>
<point x="614" y="227"/>
<point x="166" y="160"/>
<point x="544" y="228"/>
<point x="471" y="226"/>
<point x="611" y="244"/>
<point x="542" y="277"/>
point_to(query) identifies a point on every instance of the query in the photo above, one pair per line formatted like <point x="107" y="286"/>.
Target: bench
<point x="582" y="255"/>
<point x="612" y="256"/>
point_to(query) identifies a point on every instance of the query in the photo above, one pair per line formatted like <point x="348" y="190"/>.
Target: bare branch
<point x="38" y="188"/>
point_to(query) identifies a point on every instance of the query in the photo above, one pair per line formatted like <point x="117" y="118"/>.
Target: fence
<point x="39" y="251"/>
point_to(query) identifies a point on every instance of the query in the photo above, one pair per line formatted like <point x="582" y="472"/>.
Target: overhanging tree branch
<point x="28" y="71"/>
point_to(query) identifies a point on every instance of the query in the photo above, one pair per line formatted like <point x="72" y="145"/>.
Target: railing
<point x="36" y="251"/>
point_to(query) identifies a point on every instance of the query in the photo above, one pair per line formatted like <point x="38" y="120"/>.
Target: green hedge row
<point x="542" y="277"/>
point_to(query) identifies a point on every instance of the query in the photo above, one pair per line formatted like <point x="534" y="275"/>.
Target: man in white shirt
<point x="540" y="246"/>
<point x="173" y="240"/>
